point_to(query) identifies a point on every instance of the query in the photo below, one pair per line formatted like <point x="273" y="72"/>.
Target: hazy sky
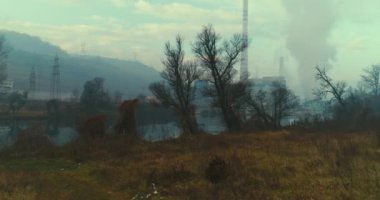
<point x="139" y="28"/>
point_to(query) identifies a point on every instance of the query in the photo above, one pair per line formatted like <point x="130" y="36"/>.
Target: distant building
<point x="267" y="83"/>
<point x="6" y="87"/>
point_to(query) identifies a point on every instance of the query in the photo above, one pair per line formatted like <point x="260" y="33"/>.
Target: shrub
<point x="217" y="170"/>
<point x="173" y="174"/>
<point x="32" y="140"/>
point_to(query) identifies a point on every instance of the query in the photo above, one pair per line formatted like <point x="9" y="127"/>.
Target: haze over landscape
<point x="189" y="99"/>
<point x="130" y="30"/>
<point x="131" y="78"/>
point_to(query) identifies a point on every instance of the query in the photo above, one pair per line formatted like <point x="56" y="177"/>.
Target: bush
<point x="32" y="140"/>
<point x="217" y="170"/>
<point x="173" y="174"/>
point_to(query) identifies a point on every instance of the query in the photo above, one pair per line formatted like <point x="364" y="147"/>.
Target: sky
<point x="343" y="35"/>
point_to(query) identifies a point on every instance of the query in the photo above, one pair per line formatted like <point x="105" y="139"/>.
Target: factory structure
<point x="264" y="83"/>
<point x="280" y="78"/>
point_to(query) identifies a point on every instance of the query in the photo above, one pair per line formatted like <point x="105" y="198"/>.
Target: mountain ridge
<point x="128" y="77"/>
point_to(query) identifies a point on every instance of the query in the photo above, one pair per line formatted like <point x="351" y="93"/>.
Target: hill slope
<point x="129" y="77"/>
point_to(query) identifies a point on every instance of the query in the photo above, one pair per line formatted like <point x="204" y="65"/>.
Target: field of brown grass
<point x="268" y="165"/>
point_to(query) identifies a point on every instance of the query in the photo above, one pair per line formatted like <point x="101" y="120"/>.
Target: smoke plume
<point x="311" y="22"/>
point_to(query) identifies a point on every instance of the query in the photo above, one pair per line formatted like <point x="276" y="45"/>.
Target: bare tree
<point x="178" y="89"/>
<point x="273" y="105"/>
<point x="329" y="87"/>
<point x="371" y="78"/>
<point x="259" y="102"/>
<point x="3" y="60"/>
<point x="218" y="61"/>
<point x="284" y="101"/>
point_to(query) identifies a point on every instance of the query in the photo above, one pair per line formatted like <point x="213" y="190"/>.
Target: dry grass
<point x="271" y="165"/>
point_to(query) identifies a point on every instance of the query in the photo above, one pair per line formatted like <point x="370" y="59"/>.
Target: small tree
<point x="273" y="105"/>
<point x="94" y="96"/>
<point x="17" y="100"/>
<point x="259" y="103"/>
<point x="218" y="62"/>
<point x="117" y="97"/>
<point x="52" y="107"/>
<point x="3" y="60"/>
<point x="371" y="78"/>
<point x="329" y="87"/>
<point x="283" y="101"/>
<point x="178" y="89"/>
<point x="344" y="104"/>
<point x="75" y="94"/>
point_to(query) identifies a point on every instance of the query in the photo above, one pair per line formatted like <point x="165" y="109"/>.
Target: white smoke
<point x="311" y="23"/>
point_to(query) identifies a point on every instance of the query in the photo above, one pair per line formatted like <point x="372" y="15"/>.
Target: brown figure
<point x="127" y="119"/>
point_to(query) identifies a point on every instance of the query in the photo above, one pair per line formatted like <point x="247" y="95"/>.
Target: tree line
<point x="215" y="61"/>
<point x="241" y="107"/>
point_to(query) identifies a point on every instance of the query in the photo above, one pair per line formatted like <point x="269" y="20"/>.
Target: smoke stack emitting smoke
<point x="311" y="22"/>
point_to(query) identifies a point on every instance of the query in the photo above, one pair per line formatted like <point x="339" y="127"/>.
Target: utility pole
<point x="55" y="90"/>
<point x="32" y="83"/>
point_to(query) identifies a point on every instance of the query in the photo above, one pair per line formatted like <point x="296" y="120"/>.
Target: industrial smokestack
<point x="244" y="56"/>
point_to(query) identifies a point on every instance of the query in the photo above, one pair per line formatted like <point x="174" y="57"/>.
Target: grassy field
<point x="268" y="165"/>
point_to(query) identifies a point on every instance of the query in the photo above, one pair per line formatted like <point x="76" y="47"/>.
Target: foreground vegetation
<point x="270" y="165"/>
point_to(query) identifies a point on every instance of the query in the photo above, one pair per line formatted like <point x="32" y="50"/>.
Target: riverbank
<point x="270" y="165"/>
<point x="24" y="115"/>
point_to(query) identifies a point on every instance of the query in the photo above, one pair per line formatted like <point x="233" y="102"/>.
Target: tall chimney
<point x="244" y="57"/>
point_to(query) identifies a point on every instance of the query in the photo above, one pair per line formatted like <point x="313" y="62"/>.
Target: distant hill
<point x="129" y="77"/>
<point x="21" y="41"/>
